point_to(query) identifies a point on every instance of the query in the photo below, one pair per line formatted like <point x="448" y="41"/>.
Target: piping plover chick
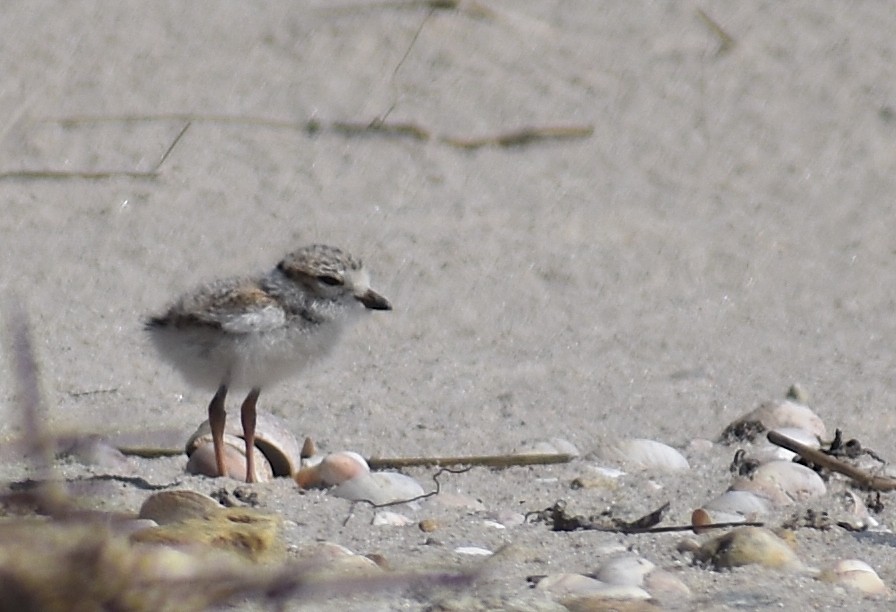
<point x="254" y="331"/>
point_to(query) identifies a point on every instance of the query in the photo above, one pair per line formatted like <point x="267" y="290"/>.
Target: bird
<point x="252" y="331"/>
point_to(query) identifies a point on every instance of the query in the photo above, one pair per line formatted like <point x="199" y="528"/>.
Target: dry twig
<point x="863" y="478"/>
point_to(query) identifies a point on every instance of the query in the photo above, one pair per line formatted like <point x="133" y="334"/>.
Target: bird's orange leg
<point x="247" y="416"/>
<point x="216" y="419"/>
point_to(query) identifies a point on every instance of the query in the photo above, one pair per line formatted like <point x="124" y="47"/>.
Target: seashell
<point x="775" y="415"/>
<point x="767" y="451"/>
<point x="202" y="461"/>
<point x="661" y="582"/>
<point x="333" y="469"/>
<point x="860" y="517"/>
<point x="744" y="503"/>
<point x="856" y="575"/>
<point x="782" y="483"/>
<point x="328" y="561"/>
<point x="475" y="551"/>
<point x="747" y="546"/>
<point x="578" y="586"/>
<point x="563" y="585"/>
<point x="336" y="468"/>
<point x="278" y="445"/>
<point x="309" y="449"/>
<point x="379" y="488"/>
<point x="625" y="569"/>
<point x="167" y="507"/>
<point x="645" y="454"/>
<point x="731" y="507"/>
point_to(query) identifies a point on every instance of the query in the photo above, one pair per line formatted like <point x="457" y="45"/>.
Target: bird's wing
<point x="237" y="306"/>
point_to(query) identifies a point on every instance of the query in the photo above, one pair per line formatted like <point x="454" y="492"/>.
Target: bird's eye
<point x="326" y="279"/>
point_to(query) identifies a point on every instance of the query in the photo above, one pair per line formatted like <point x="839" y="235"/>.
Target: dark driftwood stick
<point x="494" y="461"/>
<point x="878" y="483"/>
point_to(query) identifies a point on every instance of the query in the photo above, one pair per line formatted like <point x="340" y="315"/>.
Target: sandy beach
<point x="594" y="221"/>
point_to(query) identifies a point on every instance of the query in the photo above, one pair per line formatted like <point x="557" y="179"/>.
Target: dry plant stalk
<point x="493" y="461"/>
<point x="863" y="478"/>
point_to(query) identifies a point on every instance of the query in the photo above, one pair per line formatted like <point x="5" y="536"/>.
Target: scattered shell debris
<point x="764" y="478"/>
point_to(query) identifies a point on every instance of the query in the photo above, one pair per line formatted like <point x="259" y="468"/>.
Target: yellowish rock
<point x="747" y="546"/>
<point x="248" y="533"/>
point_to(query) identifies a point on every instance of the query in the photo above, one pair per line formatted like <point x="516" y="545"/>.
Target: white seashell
<point x="782" y="483"/>
<point x="564" y="585"/>
<point x="767" y="451"/>
<point x="577" y="585"/>
<point x="379" y="488"/>
<point x="400" y="485"/>
<point x="855" y="574"/>
<point x="745" y="504"/>
<point x="473" y="550"/>
<point x="645" y="454"/>
<point x="778" y="415"/>
<point x="661" y="583"/>
<point x="554" y="446"/>
<point x="860" y="516"/>
<point x="624" y="569"/>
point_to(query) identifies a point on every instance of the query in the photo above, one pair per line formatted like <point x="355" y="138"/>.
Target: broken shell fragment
<point x="640" y="453"/>
<point x="279" y="448"/>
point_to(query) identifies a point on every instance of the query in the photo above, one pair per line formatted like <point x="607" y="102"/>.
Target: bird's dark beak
<point x="373" y="300"/>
